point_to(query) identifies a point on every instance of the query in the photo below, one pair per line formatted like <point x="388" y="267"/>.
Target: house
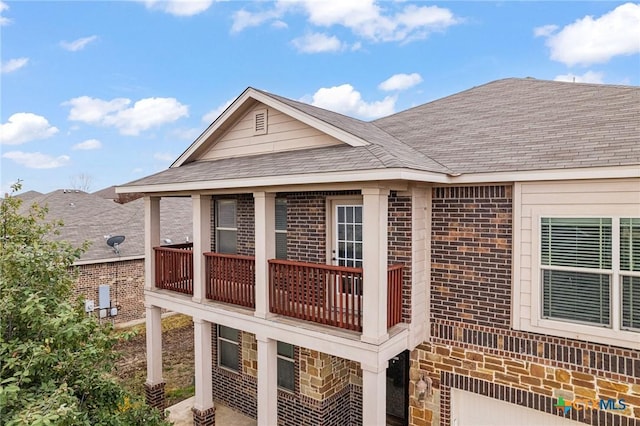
<point x="118" y="271"/>
<point x="473" y="260"/>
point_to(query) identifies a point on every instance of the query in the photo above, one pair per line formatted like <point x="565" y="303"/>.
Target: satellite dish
<point x="115" y="241"/>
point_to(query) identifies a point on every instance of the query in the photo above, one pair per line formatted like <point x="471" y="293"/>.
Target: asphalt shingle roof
<point x="89" y="217"/>
<point x="505" y="125"/>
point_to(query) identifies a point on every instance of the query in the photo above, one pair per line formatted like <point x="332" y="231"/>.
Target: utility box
<point x="89" y="306"/>
<point x="104" y="296"/>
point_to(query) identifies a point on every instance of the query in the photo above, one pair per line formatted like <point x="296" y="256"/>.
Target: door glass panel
<point x="349" y="235"/>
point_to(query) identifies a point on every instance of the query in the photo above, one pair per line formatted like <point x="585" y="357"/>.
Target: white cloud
<point x="179" y="7"/>
<point x="591" y="41"/>
<point x="400" y="82"/>
<point x="14" y="64"/>
<point x="137" y="170"/>
<point x="129" y="120"/>
<point x="79" y="44"/>
<point x="37" y="160"/>
<point x="24" y="127"/>
<point x="346" y="100"/>
<point x="545" y="30"/>
<point x="587" y="77"/>
<point x="4" y="20"/>
<point x="365" y="18"/>
<point x="89" y="144"/>
<point x="164" y="156"/>
<point x="318" y="42"/>
<point x="215" y="113"/>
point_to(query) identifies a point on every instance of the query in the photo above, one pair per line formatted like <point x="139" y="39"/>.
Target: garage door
<point x="470" y="409"/>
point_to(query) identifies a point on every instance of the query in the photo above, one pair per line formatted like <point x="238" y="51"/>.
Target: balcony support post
<point x="201" y="243"/>
<point x="154" y="385"/>
<point x="203" y="401"/>
<point x="265" y="236"/>
<point x="267" y="381"/>
<point x="151" y="239"/>
<point x="374" y="393"/>
<point x="374" y="274"/>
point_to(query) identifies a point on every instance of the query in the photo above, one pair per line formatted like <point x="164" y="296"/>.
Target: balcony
<point x="324" y="294"/>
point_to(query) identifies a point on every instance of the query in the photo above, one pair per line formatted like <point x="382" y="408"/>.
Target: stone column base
<point x="204" y="418"/>
<point x="154" y="395"/>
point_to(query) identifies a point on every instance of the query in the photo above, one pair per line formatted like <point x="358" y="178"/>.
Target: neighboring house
<point x="474" y="260"/>
<point x="120" y="270"/>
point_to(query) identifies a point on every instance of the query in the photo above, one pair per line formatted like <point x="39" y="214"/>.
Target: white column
<point x="267" y="381"/>
<point x="374" y="276"/>
<point x="151" y="239"/>
<point x="265" y="237"/>
<point x="154" y="345"/>
<point x="203" y="363"/>
<point x="201" y="207"/>
<point x="374" y="396"/>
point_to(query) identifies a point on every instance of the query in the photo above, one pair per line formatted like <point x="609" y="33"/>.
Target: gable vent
<point x="260" y="122"/>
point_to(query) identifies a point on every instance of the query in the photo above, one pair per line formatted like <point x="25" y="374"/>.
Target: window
<point x="630" y="273"/>
<point x="226" y="227"/>
<point x="286" y="367"/>
<point x="581" y="279"/>
<point x="281" y="228"/>
<point x="228" y="348"/>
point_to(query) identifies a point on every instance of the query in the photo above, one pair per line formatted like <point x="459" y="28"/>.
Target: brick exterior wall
<point x="472" y="345"/>
<point x="126" y="279"/>
<point x="399" y="244"/>
<point x="204" y="418"/>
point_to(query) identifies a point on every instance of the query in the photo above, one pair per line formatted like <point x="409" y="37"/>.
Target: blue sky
<point x="116" y="90"/>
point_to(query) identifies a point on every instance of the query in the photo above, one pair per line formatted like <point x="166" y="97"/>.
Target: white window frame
<point x="614" y="334"/>
<point x="282" y="231"/>
<point x="221" y="228"/>
<point x="225" y="340"/>
<point x="293" y="362"/>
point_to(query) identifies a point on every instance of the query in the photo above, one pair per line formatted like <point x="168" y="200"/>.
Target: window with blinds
<point x="581" y="281"/>
<point x="226" y="227"/>
<point x="576" y="269"/>
<point x="281" y="228"/>
<point x="630" y="273"/>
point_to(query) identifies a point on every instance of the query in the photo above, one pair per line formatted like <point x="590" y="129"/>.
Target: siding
<point x="283" y="134"/>
<point x="614" y="197"/>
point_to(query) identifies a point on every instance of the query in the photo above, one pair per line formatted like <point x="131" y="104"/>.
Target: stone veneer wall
<point x="327" y="391"/>
<point x="126" y="279"/>
<point x="472" y="345"/>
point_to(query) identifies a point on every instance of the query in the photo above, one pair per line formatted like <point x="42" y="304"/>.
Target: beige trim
<point x="391" y="174"/>
<point x="516" y="288"/>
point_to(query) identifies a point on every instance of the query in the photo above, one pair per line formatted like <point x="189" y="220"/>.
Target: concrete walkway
<point x="181" y="415"/>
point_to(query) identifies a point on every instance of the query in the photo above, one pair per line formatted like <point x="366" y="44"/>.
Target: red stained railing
<point x="324" y="294"/>
<point x="231" y="278"/>
<point x="394" y="295"/>
<point x="174" y="267"/>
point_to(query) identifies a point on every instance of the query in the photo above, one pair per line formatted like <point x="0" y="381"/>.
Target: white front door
<point x="347" y="251"/>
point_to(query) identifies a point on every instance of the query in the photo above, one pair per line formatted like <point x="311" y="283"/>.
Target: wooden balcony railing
<point x="394" y="295"/>
<point x="174" y="267"/>
<point x="327" y="294"/>
<point x="231" y="278"/>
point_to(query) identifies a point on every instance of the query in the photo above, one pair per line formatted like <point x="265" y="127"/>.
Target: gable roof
<point x="503" y="126"/>
<point x="525" y="124"/>
<point x="89" y="217"/>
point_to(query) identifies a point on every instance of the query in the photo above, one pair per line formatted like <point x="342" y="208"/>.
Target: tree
<point x="55" y="361"/>
<point x="81" y="182"/>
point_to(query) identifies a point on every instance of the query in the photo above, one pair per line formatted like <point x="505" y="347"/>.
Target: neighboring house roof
<point x="503" y="126"/>
<point x="29" y="195"/>
<point x="108" y="193"/>
<point x="88" y="217"/>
